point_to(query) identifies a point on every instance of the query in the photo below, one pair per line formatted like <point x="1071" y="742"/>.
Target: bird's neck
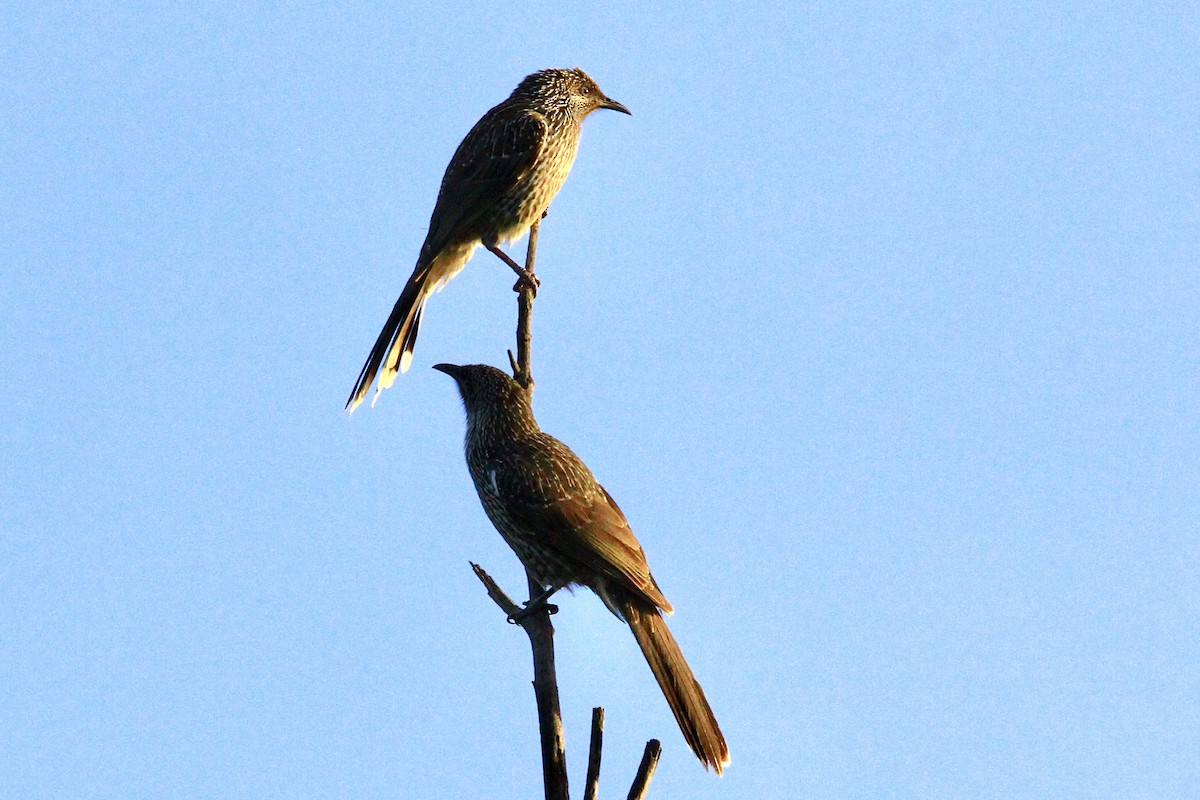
<point x="499" y="425"/>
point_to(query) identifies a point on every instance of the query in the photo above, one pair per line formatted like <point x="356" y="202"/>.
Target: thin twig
<point x="536" y="625"/>
<point x="494" y="591"/>
<point x="597" y="744"/>
<point x="522" y="371"/>
<point x="641" y="782"/>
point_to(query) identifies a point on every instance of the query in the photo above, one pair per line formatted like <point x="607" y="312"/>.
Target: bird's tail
<point x="393" y="350"/>
<point x="678" y="684"/>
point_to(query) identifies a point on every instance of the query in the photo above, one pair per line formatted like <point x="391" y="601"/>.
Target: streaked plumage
<point x="499" y="182"/>
<point x="567" y="530"/>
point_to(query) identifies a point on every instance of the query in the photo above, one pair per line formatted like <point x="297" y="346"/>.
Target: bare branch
<point x="545" y="684"/>
<point x="641" y="782"/>
<point x="545" y="689"/>
<point x="494" y="591"/>
<point x="537" y="624"/>
<point x="597" y="744"/>
<point x="522" y="373"/>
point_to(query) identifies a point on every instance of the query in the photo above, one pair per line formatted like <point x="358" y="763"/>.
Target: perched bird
<point x="500" y="181"/>
<point x="567" y="530"/>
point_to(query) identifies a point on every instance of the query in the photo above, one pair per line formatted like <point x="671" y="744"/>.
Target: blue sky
<point x="881" y="323"/>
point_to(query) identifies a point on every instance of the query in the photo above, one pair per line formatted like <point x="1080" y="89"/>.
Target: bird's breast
<point x="533" y="194"/>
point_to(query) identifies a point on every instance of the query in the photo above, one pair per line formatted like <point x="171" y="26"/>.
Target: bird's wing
<point x="492" y="159"/>
<point x="576" y="516"/>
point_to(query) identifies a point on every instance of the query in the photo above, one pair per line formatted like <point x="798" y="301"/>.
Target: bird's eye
<point x="587" y="90"/>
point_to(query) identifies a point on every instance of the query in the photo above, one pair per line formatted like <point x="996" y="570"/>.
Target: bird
<point x="499" y="182"/>
<point x="568" y="531"/>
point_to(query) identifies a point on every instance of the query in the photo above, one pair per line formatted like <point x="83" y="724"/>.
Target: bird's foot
<point x="527" y="281"/>
<point x="530" y="609"/>
<point x="534" y="605"/>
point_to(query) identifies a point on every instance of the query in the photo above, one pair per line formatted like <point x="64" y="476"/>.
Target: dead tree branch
<point x="592" y="785"/>
<point x="537" y="624"/>
<point x="641" y="782"/>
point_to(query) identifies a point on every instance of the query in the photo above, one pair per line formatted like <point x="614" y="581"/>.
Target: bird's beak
<point x="449" y="369"/>
<point x="615" y="106"/>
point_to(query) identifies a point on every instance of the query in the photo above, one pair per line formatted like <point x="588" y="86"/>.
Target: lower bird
<point x="567" y="530"/>
<point x="499" y="182"/>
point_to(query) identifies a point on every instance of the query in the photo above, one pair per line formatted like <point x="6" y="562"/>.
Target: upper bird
<point x="500" y="181"/>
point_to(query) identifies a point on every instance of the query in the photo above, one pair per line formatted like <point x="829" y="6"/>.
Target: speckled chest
<point x="531" y="196"/>
<point x="528" y="543"/>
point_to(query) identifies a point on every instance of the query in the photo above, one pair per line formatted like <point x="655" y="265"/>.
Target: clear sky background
<point x="881" y="322"/>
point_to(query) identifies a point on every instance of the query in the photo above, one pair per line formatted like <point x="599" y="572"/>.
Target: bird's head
<point x="570" y="89"/>
<point x="489" y="395"/>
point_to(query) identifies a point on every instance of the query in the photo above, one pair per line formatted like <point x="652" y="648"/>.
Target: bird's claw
<point x="527" y="281"/>
<point x="529" y="610"/>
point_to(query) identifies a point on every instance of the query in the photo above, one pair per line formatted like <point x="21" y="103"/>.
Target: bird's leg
<point x="536" y="604"/>
<point x="527" y="280"/>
